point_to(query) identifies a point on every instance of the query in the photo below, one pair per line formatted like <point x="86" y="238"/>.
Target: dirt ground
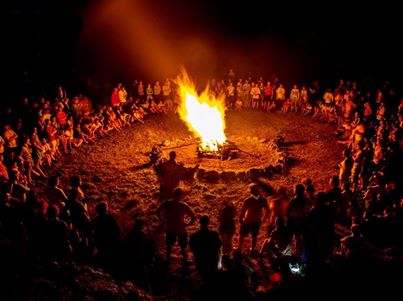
<point x="109" y="168"/>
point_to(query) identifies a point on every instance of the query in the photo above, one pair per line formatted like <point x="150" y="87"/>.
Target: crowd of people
<point x="51" y="225"/>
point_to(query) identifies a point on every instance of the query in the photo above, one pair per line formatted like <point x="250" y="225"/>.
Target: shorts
<point x="252" y="228"/>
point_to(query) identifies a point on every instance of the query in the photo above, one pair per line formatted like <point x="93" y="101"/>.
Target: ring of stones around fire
<point x="245" y="173"/>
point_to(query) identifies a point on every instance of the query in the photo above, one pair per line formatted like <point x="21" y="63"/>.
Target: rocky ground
<point x="109" y="168"/>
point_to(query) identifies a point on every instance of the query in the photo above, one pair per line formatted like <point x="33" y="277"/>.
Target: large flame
<point x="203" y="113"/>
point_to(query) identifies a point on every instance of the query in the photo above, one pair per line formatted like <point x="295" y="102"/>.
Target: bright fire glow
<point x="204" y="113"/>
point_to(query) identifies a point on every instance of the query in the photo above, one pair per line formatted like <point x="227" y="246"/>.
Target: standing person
<point x="173" y="213"/>
<point x="296" y="213"/>
<point x="280" y="96"/>
<point x="56" y="238"/>
<point x="107" y="237"/>
<point x="77" y="206"/>
<point x="157" y="91"/>
<point x="206" y="247"/>
<point x="251" y="216"/>
<point x="227" y="227"/>
<point x="169" y="175"/>
<point x="294" y="97"/>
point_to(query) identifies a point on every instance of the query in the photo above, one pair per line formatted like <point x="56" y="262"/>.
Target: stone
<point x="200" y="173"/>
<point x="255" y="173"/>
<point x="242" y="176"/>
<point x="228" y="176"/>
<point x="212" y="176"/>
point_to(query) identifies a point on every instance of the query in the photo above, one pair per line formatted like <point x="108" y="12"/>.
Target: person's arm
<point x="266" y="210"/>
<point x="159" y="211"/>
<point x="243" y="211"/>
<point x="190" y="213"/>
<point x="63" y="196"/>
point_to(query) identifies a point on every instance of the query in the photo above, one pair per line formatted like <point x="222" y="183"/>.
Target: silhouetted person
<point x="251" y="216"/>
<point x="169" y="175"/>
<point x="279" y="241"/>
<point x="173" y="213"/>
<point x="106" y="235"/>
<point x="205" y="245"/>
<point x="141" y="253"/>
<point x="227" y="227"/>
<point x="334" y="194"/>
<point x="357" y="248"/>
<point x="77" y="206"/>
<point x="296" y="213"/>
<point x="56" y="236"/>
<point x="321" y="220"/>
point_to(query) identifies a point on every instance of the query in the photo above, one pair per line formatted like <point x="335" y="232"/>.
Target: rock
<point x="212" y="176"/>
<point x="279" y="168"/>
<point x="242" y="176"/>
<point x="200" y="173"/>
<point x="269" y="170"/>
<point x="228" y="176"/>
<point x="255" y="173"/>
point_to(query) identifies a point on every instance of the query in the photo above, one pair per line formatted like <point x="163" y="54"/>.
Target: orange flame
<point x="204" y="114"/>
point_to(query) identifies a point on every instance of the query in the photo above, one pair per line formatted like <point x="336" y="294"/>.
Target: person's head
<point x="356" y="229"/>
<point x="178" y="192"/>
<point x="53" y="181"/>
<point x="254" y="189"/>
<point x="101" y="208"/>
<point x="310" y="189"/>
<point x="52" y="212"/>
<point x="172" y="156"/>
<point x="75" y="181"/>
<point x="299" y="190"/>
<point x="204" y="222"/>
<point x="321" y="198"/>
<point x="308" y="182"/>
<point x="282" y="191"/>
<point x="334" y="182"/>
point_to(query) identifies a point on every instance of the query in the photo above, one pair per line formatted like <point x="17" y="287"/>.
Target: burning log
<point x="226" y="151"/>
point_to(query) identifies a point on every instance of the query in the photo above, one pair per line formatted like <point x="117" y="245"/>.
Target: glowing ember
<point x="204" y="114"/>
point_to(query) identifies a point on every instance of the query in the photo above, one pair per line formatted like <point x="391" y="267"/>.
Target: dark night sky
<point x="44" y="38"/>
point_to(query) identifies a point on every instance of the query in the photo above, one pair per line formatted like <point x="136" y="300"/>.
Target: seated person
<point x="279" y="242"/>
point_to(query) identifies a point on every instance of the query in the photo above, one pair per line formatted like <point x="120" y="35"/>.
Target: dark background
<point x="50" y="42"/>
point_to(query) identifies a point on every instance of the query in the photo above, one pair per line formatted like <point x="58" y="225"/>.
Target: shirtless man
<point x="173" y="213"/>
<point x="169" y="175"/>
<point x="251" y="216"/>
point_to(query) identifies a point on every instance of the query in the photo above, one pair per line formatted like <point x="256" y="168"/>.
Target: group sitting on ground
<point x="358" y="217"/>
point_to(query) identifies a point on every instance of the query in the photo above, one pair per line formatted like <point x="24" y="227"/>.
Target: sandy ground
<point x="108" y="168"/>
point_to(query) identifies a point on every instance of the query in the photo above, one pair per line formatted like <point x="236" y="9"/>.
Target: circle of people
<point x="366" y="191"/>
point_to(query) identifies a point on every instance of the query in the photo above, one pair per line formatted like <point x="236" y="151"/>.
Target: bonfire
<point x="203" y="113"/>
